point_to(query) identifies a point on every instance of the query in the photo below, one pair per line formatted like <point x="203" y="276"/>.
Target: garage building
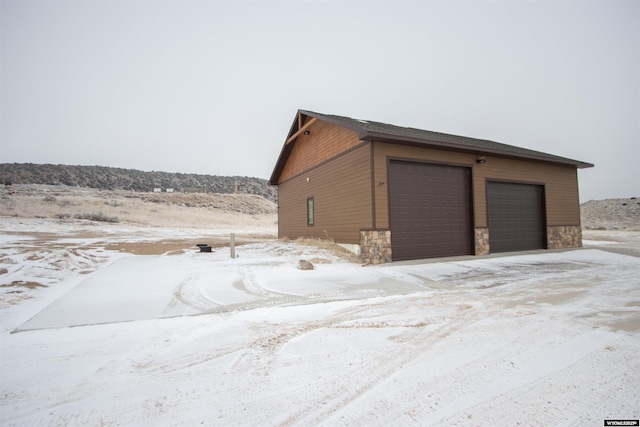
<point x="400" y="193"/>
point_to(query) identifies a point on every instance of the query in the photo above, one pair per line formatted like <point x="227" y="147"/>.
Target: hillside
<point x="107" y="178"/>
<point x="176" y="210"/>
<point x="611" y="214"/>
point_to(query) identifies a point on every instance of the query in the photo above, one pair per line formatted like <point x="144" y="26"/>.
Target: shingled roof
<point x="375" y="131"/>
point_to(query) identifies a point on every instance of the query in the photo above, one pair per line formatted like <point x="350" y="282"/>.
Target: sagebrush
<point x="97" y="216"/>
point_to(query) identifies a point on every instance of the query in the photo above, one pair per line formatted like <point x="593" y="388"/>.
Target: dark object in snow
<point x="204" y="247"/>
<point x="303" y="264"/>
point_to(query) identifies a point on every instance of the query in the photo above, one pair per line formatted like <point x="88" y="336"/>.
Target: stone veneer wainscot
<point x="375" y="246"/>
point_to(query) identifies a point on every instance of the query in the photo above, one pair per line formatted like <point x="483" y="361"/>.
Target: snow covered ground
<point x="91" y="335"/>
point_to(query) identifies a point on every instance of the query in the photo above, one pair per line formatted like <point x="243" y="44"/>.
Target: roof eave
<point x="395" y="139"/>
<point x="277" y="170"/>
<point x="329" y="119"/>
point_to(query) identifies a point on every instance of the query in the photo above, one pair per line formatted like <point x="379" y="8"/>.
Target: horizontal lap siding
<point x="341" y="190"/>
<point x="560" y="187"/>
<point x="561" y="182"/>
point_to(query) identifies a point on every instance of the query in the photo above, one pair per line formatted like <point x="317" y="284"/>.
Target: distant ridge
<point x="108" y="178"/>
<point x="611" y="214"/>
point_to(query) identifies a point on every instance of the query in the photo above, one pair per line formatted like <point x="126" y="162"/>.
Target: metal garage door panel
<point x="516" y="217"/>
<point x="430" y="210"/>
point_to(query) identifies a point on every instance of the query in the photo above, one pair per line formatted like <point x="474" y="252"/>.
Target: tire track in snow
<point x="251" y="282"/>
<point x="415" y="342"/>
<point x="190" y="298"/>
<point x="190" y="294"/>
<point x="255" y="286"/>
<point x="257" y="361"/>
<point x="524" y="357"/>
<point x="188" y="361"/>
<point x="412" y="403"/>
<point x="262" y="351"/>
<point x="531" y="401"/>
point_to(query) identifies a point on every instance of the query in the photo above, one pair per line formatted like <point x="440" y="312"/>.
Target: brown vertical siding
<point x="561" y="182"/>
<point x="323" y="142"/>
<point x="341" y="191"/>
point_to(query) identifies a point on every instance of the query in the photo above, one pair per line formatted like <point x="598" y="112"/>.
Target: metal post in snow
<point x="233" y="245"/>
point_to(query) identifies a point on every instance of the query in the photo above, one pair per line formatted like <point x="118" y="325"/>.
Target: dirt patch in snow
<point x="23" y="284"/>
<point x="177" y="246"/>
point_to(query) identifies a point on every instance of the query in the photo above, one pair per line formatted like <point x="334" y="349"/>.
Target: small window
<point x="310" y="211"/>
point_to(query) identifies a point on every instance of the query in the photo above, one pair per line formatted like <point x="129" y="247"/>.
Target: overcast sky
<point x="212" y="87"/>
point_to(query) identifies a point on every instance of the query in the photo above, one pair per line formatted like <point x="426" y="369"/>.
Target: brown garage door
<point x="516" y="217"/>
<point x="429" y="210"/>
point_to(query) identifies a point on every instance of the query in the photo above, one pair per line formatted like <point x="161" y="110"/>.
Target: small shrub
<point x="329" y="245"/>
<point x="97" y="216"/>
<point x="50" y="199"/>
<point x="65" y="203"/>
<point x="62" y="216"/>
